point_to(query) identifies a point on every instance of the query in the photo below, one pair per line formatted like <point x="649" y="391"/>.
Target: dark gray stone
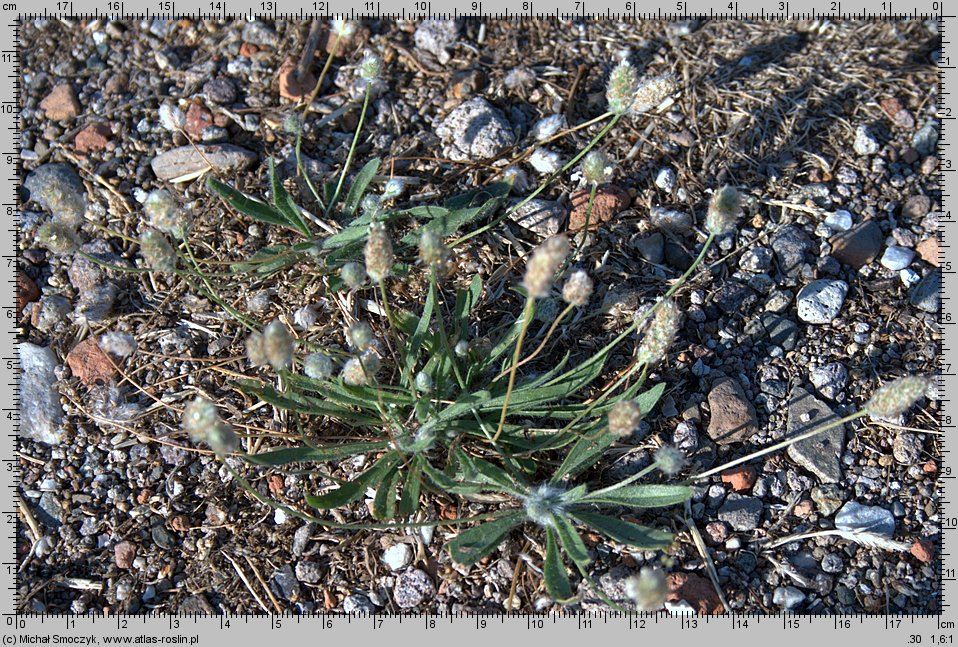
<point x="742" y="513"/>
<point x="41" y="413"/>
<point x="412" y="588"/>
<point x="857" y="517"/>
<point x="476" y="130"/>
<point x="790" y="244"/>
<point x="858" y="246"/>
<point x="820" y="454"/>
<point x="283" y="583"/>
<point x="927" y="294"/>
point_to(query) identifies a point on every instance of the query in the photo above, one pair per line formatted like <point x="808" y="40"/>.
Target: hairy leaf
<point x="353" y="490"/>
<point x="313" y="454"/>
<point x="625" y="532"/>
<point x="359" y="186"/>
<point x="471" y="545"/>
<point x="553" y="570"/>
<point x="641" y="496"/>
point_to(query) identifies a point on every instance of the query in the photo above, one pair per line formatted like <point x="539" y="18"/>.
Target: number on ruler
<point x="112" y="6"/>
<point x="579" y="6"/>
<point x="218" y="5"/>
<point x="165" y="5"/>
<point x="268" y="6"/>
<point x="321" y="6"/>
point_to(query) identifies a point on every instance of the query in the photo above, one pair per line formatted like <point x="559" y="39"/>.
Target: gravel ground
<point x="827" y="290"/>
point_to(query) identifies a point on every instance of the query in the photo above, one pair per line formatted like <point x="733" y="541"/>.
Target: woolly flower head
<point x="359" y="370"/>
<point x="424" y="382"/>
<point x="370" y="68"/>
<point x="577" y="289"/>
<point x="393" y="189"/>
<point x="344" y="29"/>
<point x="318" y="366"/>
<point x="659" y="333"/>
<point x="461" y="349"/>
<point x="895" y="398"/>
<point x="624" y="418"/>
<point x="545" y="262"/>
<point x="293" y="123"/>
<point x="360" y="335"/>
<point x="353" y="274"/>
<point x="647" y="589"/>
<point x="371" y="205"/>
<point x="432" y="251"/>
<point x="164" y="213"/>
<point x="669" y="460"/>
<point x="202" y="421"/>
<point x="119" y="344"/>
<point x="58" y="238"/>
<point x="597" y="167"/>
<point x="273" y="347"/>
<point x="543" y="502"/>
<point x="157" y="251"/>
<point x="378" y="252"/>
<point x="725" y="209"/>
<point x="620" y="90"/>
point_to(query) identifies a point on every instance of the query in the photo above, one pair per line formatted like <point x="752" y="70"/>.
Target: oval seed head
<point x="256" y="350"/>
<point x="278" y="345"/>
<point x="58" y="238"/>
<point x="543" y="502"/>
<point x="353" y="373"/>
<point x="725" y="209"/>
<point x="597" y="167"/>
<point x="353" y="274"/>
<point x="379" y="253"/>
<point x="647" y="589"/>
<point x="651" y="92"/>
<point x="342" y="28"/>
<point x="545" y="262"/>
<point x="424" y="382"/>
<point x="293" y="123"/>
<point x="371" y="68"/>
<point x="669" y="460"/>
<point x="360" y="335"/>
<point x="620" y="91"/>
<point x="461" y="349"/>
<point x="659" y="333"/>
<point x="157" y="251"/>
<point x="895" y="398"/>
<point x="202" y="421"/>
<point x="432" y="251"/>
<point x="393" y="189"/>
<point x="119" y="344"/>
<point x="165" y="213"/>
<point x="371" y="362"/>
<point x="318" y="366"/>
<point x="624" y="418"/>
<point x="577" y="289"/>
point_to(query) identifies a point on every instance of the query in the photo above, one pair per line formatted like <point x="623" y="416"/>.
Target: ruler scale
<point x="566" y="628"/>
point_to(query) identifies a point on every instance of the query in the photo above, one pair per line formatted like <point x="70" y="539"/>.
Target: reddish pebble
<point x="90" y="364"/>
<point x="94" y="137"/>
<point x="197" y="118"/>
<point x="741" y="478"/>
<point x="291" y="87"/>
<point x="276" y="484"/>
<point x="923" y="550"/>
<point x="696" y="590"/>
<point x="61" y="104"/>
<point x="248" y="49"/>
<point x="123" y="554"/>
<point x="27" y="291"/>
<point x="928" y="250"/>
<point x="609" y="200"/>
<point x="931" y="467"/>
<point x="803" y="508"/>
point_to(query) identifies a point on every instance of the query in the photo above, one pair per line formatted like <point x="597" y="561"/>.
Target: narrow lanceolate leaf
<point x="553" y="571"/>
<point x="641" y="496"/>
<point x="313" y="454"/>
<point x="442" y="482"/>
<point x="472" y="545"/>
<point x="246" y="205"/>
<point x="410" y="492"/>
<point x="482" y="471"/>
<point x="625" y="532"/>
<point x="284" y="203"/>
<point x="420" y="332"/>
<point x="353" y="490"/>
<point x="384" y="503"/>
<point x="584" y="454"/>
<point x="571" y="541"/>
<point x="466" y="300"/>
<point x="359" y="186"/>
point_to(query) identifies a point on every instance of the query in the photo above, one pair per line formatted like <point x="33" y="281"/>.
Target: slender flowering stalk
<point x="895" y="398"/>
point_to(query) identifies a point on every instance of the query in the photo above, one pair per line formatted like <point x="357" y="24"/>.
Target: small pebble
<point x="897" y="258"/>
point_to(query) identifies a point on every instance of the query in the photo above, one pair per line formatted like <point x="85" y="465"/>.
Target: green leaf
<point x="553" y="571"/>
<point x="486" y="472"/>
<point x="353" y="490"/>
<point x="314" y="454"/>
<point x="284" y="203"/>
<point x="246" y="205"/>
<point x="268" y="260"/>
<point x="359" y="186"/>
<point x="641" y="496"/>
<point x="571" y="541"/>
<point x="446" y="222"/>
<point x="442" y="482"/>
<point x="586" y="451"/>
<point x="472" y="545"/>
<point x="466" y="301"/>
<point x="495" y="190"/>
<point x="410" y="492"/>
<point x="419" y="334"/>
<point x="384" y="503"/>
<point x="625" y="532"/>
